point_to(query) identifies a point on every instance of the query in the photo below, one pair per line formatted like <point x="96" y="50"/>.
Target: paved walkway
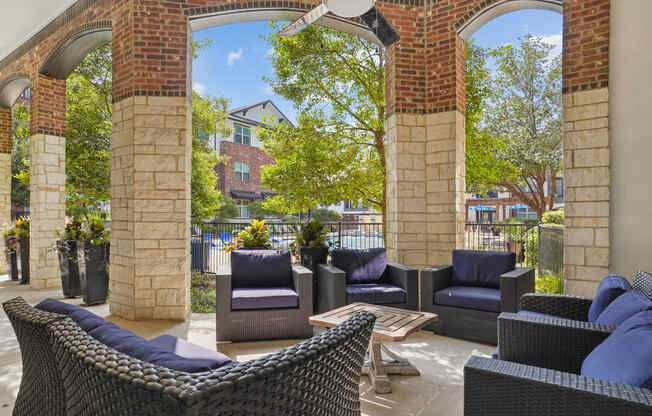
<point x="438" y="391"/>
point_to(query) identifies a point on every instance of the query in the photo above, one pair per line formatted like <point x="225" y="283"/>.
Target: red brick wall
<point x="5" y="130"/>
<point x="48" y="106"/>
<point x="255" y="157"/>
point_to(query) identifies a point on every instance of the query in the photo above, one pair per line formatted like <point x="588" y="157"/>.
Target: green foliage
<point x="229" y="209"/>
<point x="257" y="209"/>
<point x="72" y="231"/>
<point x="20" y="155"/>
<point x="253" y="236"/>
<point x="311" y="234"/>
<point x="531" y="248"/>
<point x="22" y="227"/>
<point x="553" y="217"/>
<point x="202" y="292"/>
<point x="95" y="231"/>
<point x="336" y="152"/>
<point x="550" y="283"/>
<point x="514" y="126"/>
<point x="291" y="219"/>
<point x="326" y="215"/>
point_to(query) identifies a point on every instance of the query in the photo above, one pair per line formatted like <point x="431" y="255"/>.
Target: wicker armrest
<point x="496" y="387"/>
<point x="563" y="306"/>
<point x="513" y="285"/>
<point x="302" y="279"/>
<point x="434" y="278"/>
<point x="407" y="278"/>
<point x="331" y="286"/>
<point x="549" y="342"/>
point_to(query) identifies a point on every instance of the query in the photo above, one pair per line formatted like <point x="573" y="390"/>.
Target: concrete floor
<point x="438" y="391"/>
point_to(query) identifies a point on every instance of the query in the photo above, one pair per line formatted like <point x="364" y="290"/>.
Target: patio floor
<point x="438" y="391"/>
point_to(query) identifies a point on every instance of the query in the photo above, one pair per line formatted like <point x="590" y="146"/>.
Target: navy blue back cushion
<point x="481" y="268"/>
<point x="85" y="319"/>
<point x="610" y="288"/>
<point x="360" y="266"/>
<point x="261" y="268"/>
<point x="624" y="357"/>
<point x="624" y="307"/>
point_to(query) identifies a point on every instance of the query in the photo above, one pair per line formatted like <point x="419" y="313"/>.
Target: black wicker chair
<point x="67" y="372"/>
<point x="472" y="323"/>
<point x="332" y="287"/>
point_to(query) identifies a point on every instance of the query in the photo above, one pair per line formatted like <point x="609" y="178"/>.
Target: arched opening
<point x="11" y="88"/>
<point x="514" y="197"/>
<point x="74" y="48"/>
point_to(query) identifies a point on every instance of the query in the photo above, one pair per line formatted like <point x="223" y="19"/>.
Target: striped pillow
<point x="643" y="282"/>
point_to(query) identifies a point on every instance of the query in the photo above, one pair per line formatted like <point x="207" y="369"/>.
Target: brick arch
<point x="490" y="9"/>
<point x="74" y="47"/>
<point x="11" y="87"/>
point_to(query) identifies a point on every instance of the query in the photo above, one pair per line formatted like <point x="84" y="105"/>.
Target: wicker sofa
<point x="68" y="372"/>
<point x="365" y="276"/>
<point x="261" y="296"/>
<point x="469" y="295"/>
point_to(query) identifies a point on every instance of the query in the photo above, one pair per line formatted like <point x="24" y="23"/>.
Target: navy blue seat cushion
<point x="610" y="288"/>
<point x="85" y="319"/>
<point x="261" y="268"/>
<point x="537" y="314"/>
<point x="376" y="293"/>
<point x="263" y="298"/>
<point x="624" y="307"/>
<point x="624" y="357"/>
<point x="481" y="268"/>
<point x="469" y="297"/>
<point x="185" y="349"/>
<point x="360" y="266"/>
<point x="137" y="347"/>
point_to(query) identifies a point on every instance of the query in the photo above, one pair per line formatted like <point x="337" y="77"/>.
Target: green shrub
<point x="553" y="217"/>
<point x="531" y="248"/>
<point x="550" y="283"/>
<point x="202" y="301"/>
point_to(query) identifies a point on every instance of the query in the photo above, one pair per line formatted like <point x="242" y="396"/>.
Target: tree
<point x="518" y="144"/>
<point x="326" y="215"/>
<point x="336" y="152"/>
<point x="20" y="155"/>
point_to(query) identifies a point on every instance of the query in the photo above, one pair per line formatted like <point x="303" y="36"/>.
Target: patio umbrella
<point x="482" y="208"/>
<point x="519" y="206"/>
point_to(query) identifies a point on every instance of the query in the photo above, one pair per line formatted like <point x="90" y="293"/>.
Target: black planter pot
<point x="310" y="258"/>
<point x="12" y="261"/>
<point x="67" y="252"/>
<point x="24" y="261"/>
<point x="93" y="272"/>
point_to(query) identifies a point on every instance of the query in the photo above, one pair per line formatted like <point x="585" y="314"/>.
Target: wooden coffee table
<point x="392" y="324"/>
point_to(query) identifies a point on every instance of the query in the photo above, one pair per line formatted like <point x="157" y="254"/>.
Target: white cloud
<point x="233" y="56"/>
<point x="199" y="88"/>
<point x="269" y="53"/>
<point x="267" y="90"/>
<point x="555" y="40"/>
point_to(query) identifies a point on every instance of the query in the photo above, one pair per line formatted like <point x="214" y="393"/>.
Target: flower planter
<point x="310" y="258"/>
<point x="67" y="253"/>
<point x="93" y="272"/>
<point x="24" y="261"/>
<point x="12" y="260"/>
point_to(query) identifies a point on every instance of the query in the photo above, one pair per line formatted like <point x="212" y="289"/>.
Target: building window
<point x="559" y="188"/>
<point x="243" y="208"/>
<point x="242" y="135"/>
<point x="242" y="171"/>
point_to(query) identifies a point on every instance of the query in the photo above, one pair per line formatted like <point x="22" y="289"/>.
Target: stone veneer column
<point x="5" y="170"/>
<point x="48" y="177"/>
<point x="445" y="170"/>
<point x="150" y="208"/>
<point x="406" y="189"/>
<point x="586" y="178"/>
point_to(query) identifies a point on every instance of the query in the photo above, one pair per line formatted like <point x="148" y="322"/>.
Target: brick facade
<point x="5" y="130"/>
<point x="255" y="157"/>
<point x="425" y="108"/>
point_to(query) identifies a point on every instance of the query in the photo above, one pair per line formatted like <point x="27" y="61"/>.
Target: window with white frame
<point x="243" y="208"/>
<point x="242" y="171"/>
<point x="242" y="135"/>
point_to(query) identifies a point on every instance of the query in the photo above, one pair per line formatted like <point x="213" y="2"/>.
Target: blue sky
<point x="234" y="64"/>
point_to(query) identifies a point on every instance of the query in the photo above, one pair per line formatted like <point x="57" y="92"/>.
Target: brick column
<point x="48" y="177"/>
<point x="150" y="177"/>
<point x="5" y="170"/>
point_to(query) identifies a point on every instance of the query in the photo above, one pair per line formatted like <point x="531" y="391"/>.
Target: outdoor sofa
<point x="69" y="370"/>
<point x="363" y="275"/>
<point x="469" y="295"/>
<point x="261" y="295"/>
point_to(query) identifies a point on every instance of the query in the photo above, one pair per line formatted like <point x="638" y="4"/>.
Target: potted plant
<point x="9" y="234"/>
<point x="254" y="237"/>
<point x="311" y="241"/>
<point x="22" y="231"/>
<point x="92" y="259"/>
<point x="66" y="247"/>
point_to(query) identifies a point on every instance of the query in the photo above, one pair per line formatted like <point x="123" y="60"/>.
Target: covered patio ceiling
<point x="21" y="20"/>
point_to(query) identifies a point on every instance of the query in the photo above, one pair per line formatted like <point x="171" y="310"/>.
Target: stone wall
<point x="586" y="179"/>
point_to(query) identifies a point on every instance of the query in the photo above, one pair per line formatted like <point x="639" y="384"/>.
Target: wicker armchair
<point x="67" y="372"/>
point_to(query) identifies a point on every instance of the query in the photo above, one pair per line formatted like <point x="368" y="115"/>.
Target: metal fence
<point x="207" y="243"/>
<point x="551" y="249"/>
